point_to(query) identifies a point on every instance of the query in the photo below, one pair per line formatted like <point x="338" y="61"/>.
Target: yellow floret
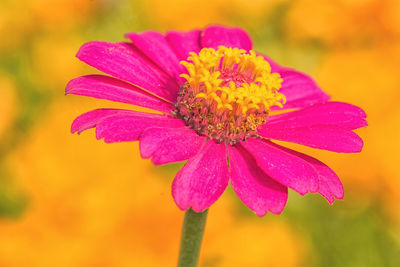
<point x="204" y="79"/>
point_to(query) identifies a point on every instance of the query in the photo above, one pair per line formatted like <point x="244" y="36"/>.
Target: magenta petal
<point x="256" y="189"/>
<point x="122" y="128"/>
<point x="155" y="46"/>
<point x="340" y="114"/>
<point x="325" y="137"/>
<point x="92" y="118"/>
<point x="184" y="42"/>
<point x="167" y="145"/>
<point x="330" y="186"/>
<point x="104" y="87"/>
<point x="203" y="178"/>
<point x="299" y="89"/>
<point x="283" y="167"/>
<point x="124" y="62"/>
<point x="214" y="36"/>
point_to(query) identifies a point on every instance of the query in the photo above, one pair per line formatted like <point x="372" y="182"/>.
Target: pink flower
<point x="217" y="105"/>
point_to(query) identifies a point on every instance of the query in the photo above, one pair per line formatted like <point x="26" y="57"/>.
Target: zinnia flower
<point x="218" y="101"/>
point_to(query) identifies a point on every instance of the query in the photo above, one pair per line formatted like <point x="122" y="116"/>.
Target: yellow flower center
<point x="228" y="93"/>
<point x="212" y="73"/>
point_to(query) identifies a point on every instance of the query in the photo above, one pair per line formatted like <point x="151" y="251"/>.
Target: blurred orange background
<point x="68" y="200"/>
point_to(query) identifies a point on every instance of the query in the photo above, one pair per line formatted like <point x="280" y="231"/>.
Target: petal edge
<point x="255" y="189"/>
<point x="203" y="178"/>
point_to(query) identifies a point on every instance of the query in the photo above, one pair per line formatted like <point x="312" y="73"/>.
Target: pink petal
<point x="256" y="189"/>
<point x="283" y="167"/>
<point x="326" y="137"/>
<point x="184" y="42"/>
<point x="330" y="186"/>
<point x="299" y="89"/>
<point x="104" y="87"/>
<point x="340" y="114"/>
<point x="329" y="183"/>
<point x="214" y="36"/>
<point x="155" y="46"/>
<point x="203" y="178"/>
<point x="167" y="145"/>
<point x="122" y="128"/>
<point x="124" y="62"/>
<point x="92" y="118"/>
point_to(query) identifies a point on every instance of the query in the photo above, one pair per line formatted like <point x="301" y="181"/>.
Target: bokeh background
<point x="68" y="200"/>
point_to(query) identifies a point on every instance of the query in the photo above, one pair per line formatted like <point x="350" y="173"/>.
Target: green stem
<point x="192" y="234"/>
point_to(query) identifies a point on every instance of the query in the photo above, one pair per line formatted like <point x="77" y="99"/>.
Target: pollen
<point x="227" y="93"/>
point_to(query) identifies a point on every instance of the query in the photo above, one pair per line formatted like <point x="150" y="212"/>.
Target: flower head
<point x="217" y="99"/>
